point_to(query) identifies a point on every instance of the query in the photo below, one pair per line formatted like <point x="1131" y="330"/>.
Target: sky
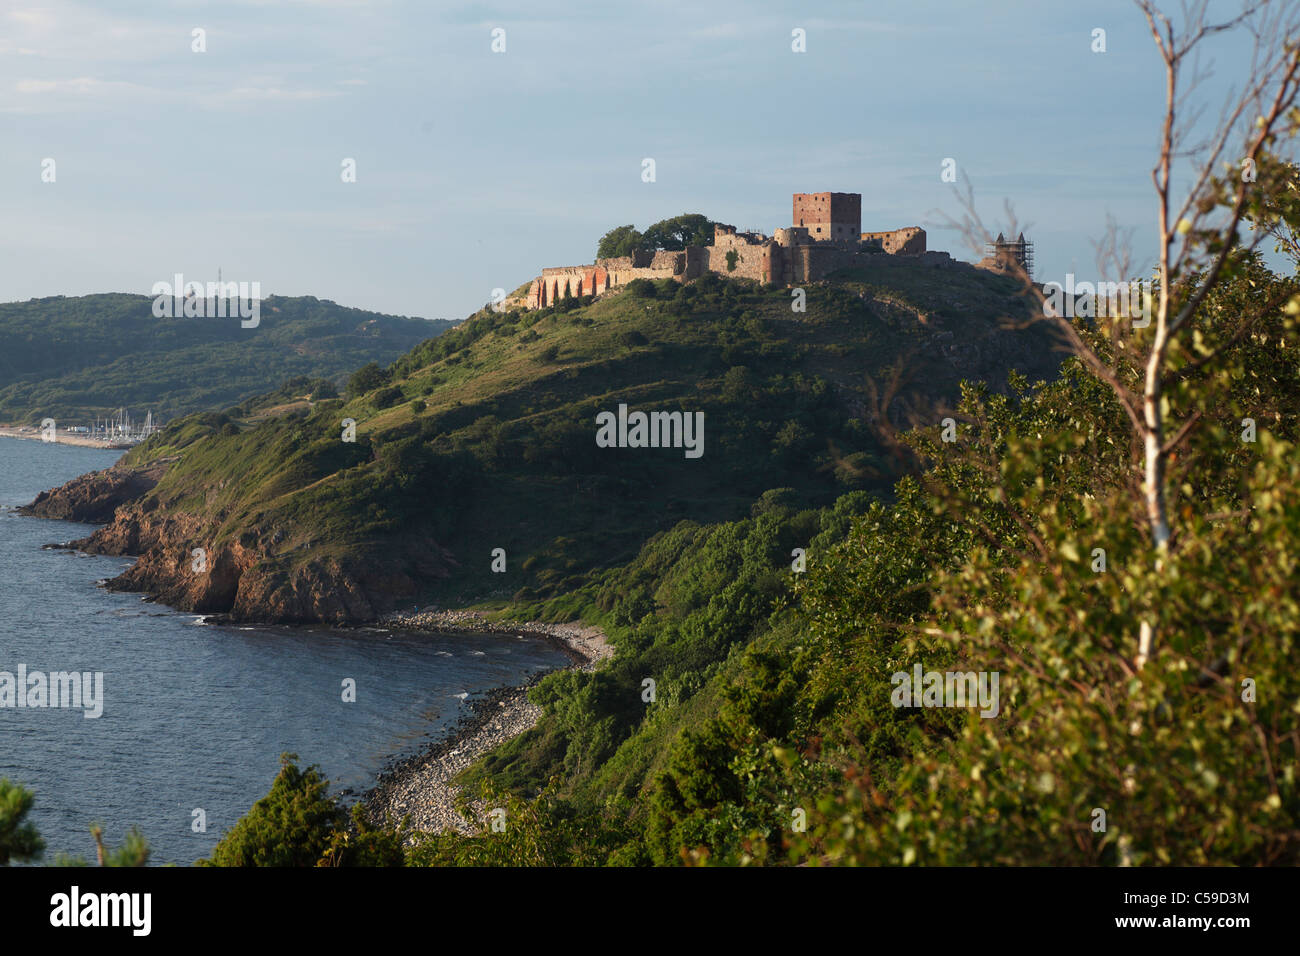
<point x="476" y="168"/>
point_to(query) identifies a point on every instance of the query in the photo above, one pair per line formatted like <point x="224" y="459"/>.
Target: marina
<point x="116" y="431"/>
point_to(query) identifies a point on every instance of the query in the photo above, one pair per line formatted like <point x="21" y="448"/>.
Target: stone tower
<point x="834" y="216"/>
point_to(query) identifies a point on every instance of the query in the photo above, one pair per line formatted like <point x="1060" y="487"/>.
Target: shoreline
<point x="412" y="782"/>
<point x="419" y="785"/>
<point x="9" y="431"/>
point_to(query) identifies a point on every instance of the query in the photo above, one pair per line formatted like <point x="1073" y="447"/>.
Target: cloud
<point x="266" y="94"/>
<point x="79" y="85"/>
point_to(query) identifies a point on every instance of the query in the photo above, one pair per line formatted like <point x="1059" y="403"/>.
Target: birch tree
<point x="1210" y="184"/>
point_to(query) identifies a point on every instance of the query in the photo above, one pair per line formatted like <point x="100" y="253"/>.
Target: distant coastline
<point x="31" y="433"/>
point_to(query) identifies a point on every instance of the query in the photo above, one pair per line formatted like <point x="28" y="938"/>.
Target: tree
<point x="19" y="841"/>
<point x="367" y="378"/>
<point x="679" y="232"/>
<point x="293" y="825"/>
<point x="619" y="241"/>
<point x="675" y="234"/>
<point x="323" y="389"/>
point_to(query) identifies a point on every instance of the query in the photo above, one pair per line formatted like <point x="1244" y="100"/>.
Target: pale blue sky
<point x="477" y="169"/>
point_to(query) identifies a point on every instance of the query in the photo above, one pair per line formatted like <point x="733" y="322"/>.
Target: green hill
<point x="485" y="439"/>
<point x="74" y="358"/>
<point x="1020" y="550"/>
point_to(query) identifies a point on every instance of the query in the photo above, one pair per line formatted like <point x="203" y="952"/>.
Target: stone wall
<point x="764" y="261"/>
<point x="753" y="259"/>
<point x="909" y="241"/>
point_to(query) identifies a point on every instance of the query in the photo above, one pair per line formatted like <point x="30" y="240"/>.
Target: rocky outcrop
<point x="257" y="577"/>
<point x="261" y="575"/>
<point x="93" y="498"/>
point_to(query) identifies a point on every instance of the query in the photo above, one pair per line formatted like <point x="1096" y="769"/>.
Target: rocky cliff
<point x="93" y="498"/>
<point x="260" y="575"/>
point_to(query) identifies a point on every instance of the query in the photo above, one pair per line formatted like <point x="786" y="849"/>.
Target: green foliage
<point x="324" y="390"/>
<point x="19" y="841"/>
<point x="675" y="234"/>
<point x="679" y="232"/>
<point x="619" y="241"/>
<point x="387" y="397"/>
<point x="295" y="824"/>
<point x="134" y="850"/>
<point x="366" y="379"/>
<point x="640" y="289"/>
<point x="681" y="613"/>
<point x="365" y="845"/>
<point x="537" y="832"/>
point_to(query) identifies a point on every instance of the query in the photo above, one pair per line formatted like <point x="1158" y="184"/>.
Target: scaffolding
<point x="1006" y="252"/>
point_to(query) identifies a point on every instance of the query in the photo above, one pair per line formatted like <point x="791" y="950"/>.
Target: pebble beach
<point x="419" y="786"/>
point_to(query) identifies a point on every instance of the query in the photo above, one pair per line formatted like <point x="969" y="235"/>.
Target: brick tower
<point x="829" y="215"/>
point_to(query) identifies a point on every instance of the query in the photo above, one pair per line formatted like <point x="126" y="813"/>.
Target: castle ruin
<point x="825" y="235"/>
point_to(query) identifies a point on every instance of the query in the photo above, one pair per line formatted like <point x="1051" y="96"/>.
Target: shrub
<point x="388" y="397"/>
<point x="367" y="378"/>
<point x="640" y="289"/>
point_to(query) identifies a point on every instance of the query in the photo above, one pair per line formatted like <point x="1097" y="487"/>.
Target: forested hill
<point x="485" y="441"/>
<point x="73" y="358"/>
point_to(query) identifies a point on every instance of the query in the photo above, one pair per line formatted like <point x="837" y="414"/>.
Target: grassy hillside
<point x="775" y="736"/>
<point x="485" y="437"/>
<point x="75" y="358"/>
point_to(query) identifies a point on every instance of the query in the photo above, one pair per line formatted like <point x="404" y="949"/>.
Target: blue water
<point x="196" y="716"/>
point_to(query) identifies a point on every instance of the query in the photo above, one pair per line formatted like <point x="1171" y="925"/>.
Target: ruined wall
<point x="791" y="236"/>
<point x="755" y="259"/>
<point x="909" y="241"/>
<point x="766" y="261"/>
<point x="558" y="283"/>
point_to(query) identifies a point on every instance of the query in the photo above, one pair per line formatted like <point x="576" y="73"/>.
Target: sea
<point x="195" y="715"/>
